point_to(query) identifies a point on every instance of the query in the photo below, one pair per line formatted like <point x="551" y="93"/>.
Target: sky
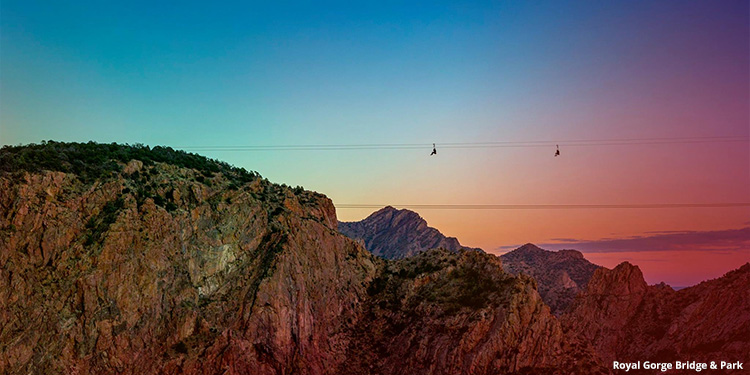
<point x="194" y="75"/>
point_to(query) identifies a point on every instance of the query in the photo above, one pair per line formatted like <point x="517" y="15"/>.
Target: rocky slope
<point x="627" y="320"/>
<point x="613" y="310"/>
<point x="561" y="275"/>
<point x="117" y="259"/>
<point x="149" y="270"/>
<point x="441" y="312"/>
<point x="397" y="234"/>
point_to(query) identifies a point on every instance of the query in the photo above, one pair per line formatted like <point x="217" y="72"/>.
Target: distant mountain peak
<point x="391" y="212"/>
<point x="398" y="233"/>
<point x="560" y="274"/>
<point x="528" y="248"/>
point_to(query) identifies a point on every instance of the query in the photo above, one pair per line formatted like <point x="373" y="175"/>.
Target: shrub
<point x="91" y="161"/>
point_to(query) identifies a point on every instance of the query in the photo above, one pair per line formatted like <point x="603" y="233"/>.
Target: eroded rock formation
<point x="561" y="275"/>
<point x="445" y="313"/>
<point x="397" y="234"/>
<point x="627" y="320"/>
<point x="100" y="279"/>
<point x="118" y="259"/>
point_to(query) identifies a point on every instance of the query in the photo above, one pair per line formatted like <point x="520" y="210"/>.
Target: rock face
<point x="131" y="260"/>
<point x="397" y="234"/>
<point x="560" y="274"/>
<point x="99" y="278"/>
<point x="441" y="312"/>
<point x="627" y="320"/>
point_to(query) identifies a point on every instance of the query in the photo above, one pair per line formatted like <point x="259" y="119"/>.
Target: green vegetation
<point x="463" y="287"/>
<point x="91" y="161"/>
<point x="457" y="281"/>
<point x="99" y="224"/>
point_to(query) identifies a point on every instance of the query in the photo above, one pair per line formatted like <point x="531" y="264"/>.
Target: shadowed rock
<point x="560" y="274"/>
<point x="627" y="320"/>
<point x="170" y="263"/>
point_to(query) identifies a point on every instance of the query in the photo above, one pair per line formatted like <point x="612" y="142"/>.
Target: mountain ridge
<point x="627" y="320"/>
<point x="396" y="234"/>
<point x="144" y="266"/>
<point x="561" y="275"/>
<point x="104" y="276"/>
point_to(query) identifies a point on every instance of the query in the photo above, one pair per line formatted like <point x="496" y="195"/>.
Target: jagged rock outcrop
<point x="627" y="320"/>
<point x="119" y="259"/>
<point x="561" y="275"/>
<point x="95" y="281"/>
<point x="441" y="312"/>
<point x="396" y="234"/>
<point x="99" y="278"/>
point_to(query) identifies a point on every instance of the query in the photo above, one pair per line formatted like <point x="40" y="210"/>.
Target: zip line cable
<point x="471" y="145"/>
<point x="503" y="144"/>
<point x="546" y="206"/>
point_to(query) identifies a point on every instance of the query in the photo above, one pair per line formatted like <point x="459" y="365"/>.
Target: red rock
<point x="561" y="275"/>
<point x="627" y="320"/>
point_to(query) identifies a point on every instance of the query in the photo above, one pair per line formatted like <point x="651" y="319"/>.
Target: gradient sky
<point x="190" y="74"/>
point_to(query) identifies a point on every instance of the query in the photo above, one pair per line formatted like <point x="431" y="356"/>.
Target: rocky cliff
<point x="614" y="310"/>
<point x="397" y="234"/>
<point x="441" y="312"/>
<point x="120" y="259"/>
<point x="628" y="320"/>
<point x="561" y="275"/>
<point x="155" y="268"/>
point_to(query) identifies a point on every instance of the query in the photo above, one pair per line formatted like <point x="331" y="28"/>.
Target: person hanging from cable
<point x="434" y="150"/>
<point x="557" y="153"/>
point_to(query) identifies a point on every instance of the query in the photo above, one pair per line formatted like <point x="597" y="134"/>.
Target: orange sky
<point x="702" y="173"/>
<point x="678" y="269"/>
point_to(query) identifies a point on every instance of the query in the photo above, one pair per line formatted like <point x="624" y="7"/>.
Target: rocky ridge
<point x="157" y="261"/>
<point x="100" y="278"/>
<point x="561" y="275"/>
<point x="615" y="310"/>
<point x="627" y="320"/>
<point x="441" y="312"/>
<point x="396" y="234"/>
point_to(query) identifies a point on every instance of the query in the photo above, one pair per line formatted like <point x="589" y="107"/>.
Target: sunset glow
<point x="193" y="77"/>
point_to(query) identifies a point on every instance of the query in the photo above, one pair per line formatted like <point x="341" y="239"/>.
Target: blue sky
<point x="188" y="73"/>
